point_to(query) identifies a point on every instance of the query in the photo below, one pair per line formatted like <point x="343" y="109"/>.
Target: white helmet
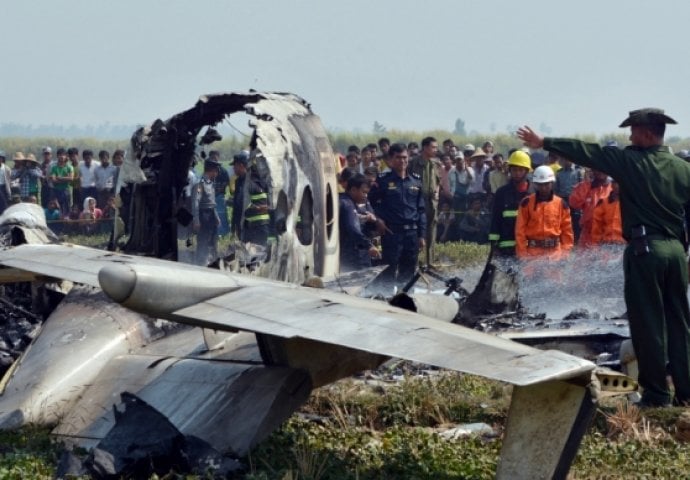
<point x="543" y="174"/>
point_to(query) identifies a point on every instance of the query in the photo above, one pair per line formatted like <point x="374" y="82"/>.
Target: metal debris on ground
<point x="468" y="430"/>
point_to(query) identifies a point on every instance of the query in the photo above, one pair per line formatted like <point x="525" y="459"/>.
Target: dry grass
<point x="311" y="464"/>
<point x="628" y="423"/>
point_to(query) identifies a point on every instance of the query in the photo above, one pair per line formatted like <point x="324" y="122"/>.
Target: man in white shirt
<point x="87" y="173"/>
<point x="460" y="178"/>
<point x="105" y="178"/>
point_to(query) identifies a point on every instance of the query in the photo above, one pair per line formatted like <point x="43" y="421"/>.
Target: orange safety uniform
<point x="585" y="197"/>
<point x="543" y="227"/>
<point x="606" y="223"/>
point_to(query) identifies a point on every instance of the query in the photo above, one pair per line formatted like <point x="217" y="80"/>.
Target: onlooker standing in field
<point x="73" y="156"/>
<point x="87" y="169"/>
<point x="427" y="167"/>
<point x="28" y="173"/>
<point x="488" y="148"/>
<point x="368" y="158"/>
<point x="5" y="183"/>
<point x="62" y="175"/>
<point x="105" y="178"/>
<point x="444" y="173"/>
<point x="46" y="183"/>
<point x="460" y="178"/>
<point x="476" y="189"/>
<point x="498" y="176"/>
<point x="384" y="144"/>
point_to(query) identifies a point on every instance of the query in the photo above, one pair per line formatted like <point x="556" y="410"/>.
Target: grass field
<point x="365" y="431"/>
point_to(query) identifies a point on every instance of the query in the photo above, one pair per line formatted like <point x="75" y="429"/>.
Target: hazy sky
<point x="577" y="66"/>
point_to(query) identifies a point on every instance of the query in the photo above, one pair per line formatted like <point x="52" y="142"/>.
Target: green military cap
<point x="647" y="116"/>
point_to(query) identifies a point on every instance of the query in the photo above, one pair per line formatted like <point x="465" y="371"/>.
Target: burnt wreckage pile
<point x="22" y="308"/>
<point x="18" y="325"/>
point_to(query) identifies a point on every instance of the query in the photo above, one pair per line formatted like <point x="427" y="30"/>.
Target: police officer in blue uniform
<point x="206" y="220"/>
<point x="398" y="201"/>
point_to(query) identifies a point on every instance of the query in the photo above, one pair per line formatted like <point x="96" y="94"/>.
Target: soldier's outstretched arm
<point x="530" y="138"/>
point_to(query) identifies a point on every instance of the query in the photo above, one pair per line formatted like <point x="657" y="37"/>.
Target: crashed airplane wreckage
<point x="101" y="364"/>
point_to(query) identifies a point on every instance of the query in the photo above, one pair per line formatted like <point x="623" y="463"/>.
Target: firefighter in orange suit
<point x="543" y="226"/>
<point x="607" y="228"/>
<point x="584" y="197"/>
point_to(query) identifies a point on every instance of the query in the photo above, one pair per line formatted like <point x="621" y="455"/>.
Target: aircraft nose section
<point x="117" y="281"/>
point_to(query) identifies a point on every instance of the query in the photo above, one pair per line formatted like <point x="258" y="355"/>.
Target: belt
<point x="546" y="243"/>
<point x="659" y="236"/>
<point x="399" y="227"/>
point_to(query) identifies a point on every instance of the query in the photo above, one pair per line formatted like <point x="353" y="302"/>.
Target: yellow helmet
<point x="520" y="159"/>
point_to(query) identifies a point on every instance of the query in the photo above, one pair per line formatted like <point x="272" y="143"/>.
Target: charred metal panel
<point x="232" y="406"/>
<point x="163" y="153"/>
<point x="325" y="362"/>
<point x="290" y="149"/>
<point x="80" y="337"/>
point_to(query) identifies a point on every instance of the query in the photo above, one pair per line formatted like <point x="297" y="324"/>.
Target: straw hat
<point x="18" y="157"/>
<point x="31" y="158"/>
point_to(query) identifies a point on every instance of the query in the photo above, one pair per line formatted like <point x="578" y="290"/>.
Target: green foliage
<point x="27" y="453"/>
<point x="100" y="240"/>
<point x="35" y="145"/>
<point x="340" y="140"/>
<point x="450" y="397"/>
<point x="354" y="453"/>
<point x="631" y="458"/>
<point x="461" y="254"/>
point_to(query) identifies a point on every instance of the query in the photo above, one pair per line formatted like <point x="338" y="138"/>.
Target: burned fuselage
<point x="289" y="150"/>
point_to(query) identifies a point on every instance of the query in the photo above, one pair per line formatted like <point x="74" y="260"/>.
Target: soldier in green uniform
<point x="654" y="186"/>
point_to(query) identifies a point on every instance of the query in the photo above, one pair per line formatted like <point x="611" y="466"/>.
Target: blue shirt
<point x="354" y="242"/>
<point x="399" y="201"/>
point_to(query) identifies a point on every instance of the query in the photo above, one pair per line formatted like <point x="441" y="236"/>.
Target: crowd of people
<point x="525" y="205"/>
<point x="76" y="193"/>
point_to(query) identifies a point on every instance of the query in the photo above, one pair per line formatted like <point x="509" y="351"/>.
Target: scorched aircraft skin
<point x="234" y="391"/>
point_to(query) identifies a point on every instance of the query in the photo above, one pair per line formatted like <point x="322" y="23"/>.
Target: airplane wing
<point x="354" y="322"/>
<point x="70" y="262"/>
<point x="163" y="288"/>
